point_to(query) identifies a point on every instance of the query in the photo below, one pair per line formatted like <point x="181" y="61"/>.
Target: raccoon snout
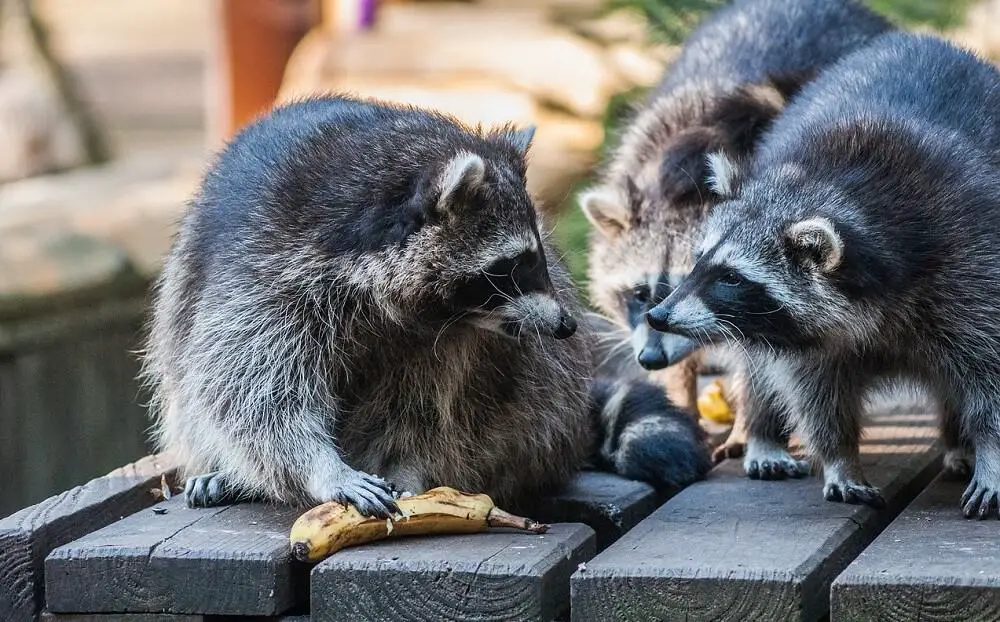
<point x="658" y="318"/>
<point x="566" y="328"/>
<point x="653" y="357"/>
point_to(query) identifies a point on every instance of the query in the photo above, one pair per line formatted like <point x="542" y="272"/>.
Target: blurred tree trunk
<point x="252" y="42"/>
<point x="92" y="139"/>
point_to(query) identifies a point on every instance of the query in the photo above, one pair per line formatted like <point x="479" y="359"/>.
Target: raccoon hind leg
<point x="958" y="459"/>
<point x="982" y="497"/>
<point x="735" y="444"/>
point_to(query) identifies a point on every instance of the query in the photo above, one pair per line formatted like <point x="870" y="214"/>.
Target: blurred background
<point x="108" y="109"/>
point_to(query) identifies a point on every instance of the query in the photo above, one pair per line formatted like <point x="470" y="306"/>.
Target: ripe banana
<point x="329" y="527"/>
<point x="712" y="404"/>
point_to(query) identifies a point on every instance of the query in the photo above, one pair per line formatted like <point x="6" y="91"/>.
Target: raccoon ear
<point x="815" y="244"/>
<point x="606" y="211"/>
<point x="464" y="172"/>
<point x="722" y="174"/>
<point x="518" y="139"/>
<point x="746" y="114"/>
<point x="683" y="171"/>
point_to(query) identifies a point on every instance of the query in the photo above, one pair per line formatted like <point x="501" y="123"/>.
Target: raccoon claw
<point x="208" y="490"/>
<point x="774" y="465"/>
<point x="728" y="450"/>
<point x="371" y="495"/>
<point x="980" y="501"/>
<point x="854" y="493"/>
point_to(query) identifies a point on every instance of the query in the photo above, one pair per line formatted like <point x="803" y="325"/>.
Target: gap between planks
<point x="729" y="548"/>
<point x="931" y="564"/>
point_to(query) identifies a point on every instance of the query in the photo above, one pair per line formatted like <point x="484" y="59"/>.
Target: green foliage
<point x="670" y="21"/>
<point x="937" y="14"/>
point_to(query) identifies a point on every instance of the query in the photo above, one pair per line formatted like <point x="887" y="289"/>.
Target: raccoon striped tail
<point x="643" y="436"/>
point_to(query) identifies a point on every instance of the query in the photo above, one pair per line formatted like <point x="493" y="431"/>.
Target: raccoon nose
<point x="652" y="358"/>
<point x="567" y="326"/>
<point x="658" y="318"/>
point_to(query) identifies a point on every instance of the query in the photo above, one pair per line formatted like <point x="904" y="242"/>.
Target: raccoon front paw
<point x="208" y="490"/>
<point x="958" y="464"/>
<point x="980" y="500"/>
<point x="854" y="492"/>
<point x="370" y="494"/>
<point x="769" y="461"/>
<point x="729" y="449"/>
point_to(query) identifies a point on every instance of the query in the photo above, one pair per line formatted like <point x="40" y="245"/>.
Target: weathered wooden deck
<point x="723" y="549"/>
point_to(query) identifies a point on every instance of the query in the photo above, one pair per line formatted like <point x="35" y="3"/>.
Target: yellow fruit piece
<point x="712" y="404"/>
<point x="329" y="527"/>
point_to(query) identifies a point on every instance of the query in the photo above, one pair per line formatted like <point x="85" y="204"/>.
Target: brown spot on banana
<point x="329" y="527"/>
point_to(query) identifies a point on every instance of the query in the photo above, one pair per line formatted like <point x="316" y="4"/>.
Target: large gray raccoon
<point x="731" y="79"/>
<point x="360" y="303"/>
<point x="860" y="247"/>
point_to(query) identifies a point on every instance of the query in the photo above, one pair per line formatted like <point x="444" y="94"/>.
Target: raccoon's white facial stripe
<point x="755" y="269"/>
<point x="692" y="314"/>
<point x="640" y="335"/>
<point x="508" y="248"/>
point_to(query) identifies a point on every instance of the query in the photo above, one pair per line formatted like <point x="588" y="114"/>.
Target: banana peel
<point x="712" y="404"/>
<point x="330" y="527"/>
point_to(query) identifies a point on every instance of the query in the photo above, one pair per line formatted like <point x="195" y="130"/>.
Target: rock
<point x="515" y="49"/>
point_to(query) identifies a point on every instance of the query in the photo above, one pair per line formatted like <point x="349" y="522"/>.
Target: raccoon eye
<point x="731" y="278"/>
<point x="641" y="293"/>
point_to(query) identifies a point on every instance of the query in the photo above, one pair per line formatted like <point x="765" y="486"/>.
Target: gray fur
<point x="733" y="76"/>
<point x="897" y="149"/>
<point x="327" y="325"/>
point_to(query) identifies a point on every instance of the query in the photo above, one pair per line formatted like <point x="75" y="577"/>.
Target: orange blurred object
<point x="252" y="41"/>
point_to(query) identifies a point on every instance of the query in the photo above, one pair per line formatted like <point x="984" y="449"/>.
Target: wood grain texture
<point x="232" y="560"/>
<point x="48" y="616"/>
<point x="605" y="502"/>
<point x="730" y="548"/>
<point x="482" y="577"/>
<point x="28" y="536"/>
<point x="930" y="564"/>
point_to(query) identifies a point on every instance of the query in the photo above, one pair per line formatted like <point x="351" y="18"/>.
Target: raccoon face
<point x="766" y="271"/>
<point x="632" y="269"/>
<point x="490" y="266"/>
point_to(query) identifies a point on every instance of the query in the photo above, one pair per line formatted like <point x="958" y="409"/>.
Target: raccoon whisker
<point x="448" y="324"/>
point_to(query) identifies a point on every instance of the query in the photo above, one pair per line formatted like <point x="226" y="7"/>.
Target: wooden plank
<point x="482" y="577"/>
<point x="231" y="560"/>
<point x="605" y="502"/>
<point x="48" y="616"/>
<point x="930" y="564"/>
<point x="28" y="536"/>
<point x="729" y="548"/>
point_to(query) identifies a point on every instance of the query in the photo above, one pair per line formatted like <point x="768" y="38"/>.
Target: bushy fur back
<point x="312" y="303"/>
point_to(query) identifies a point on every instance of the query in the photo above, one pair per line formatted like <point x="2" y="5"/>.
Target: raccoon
<point x="360" y="303"/>
<point x="858" y="249"/>
<point x="732" y="78"/>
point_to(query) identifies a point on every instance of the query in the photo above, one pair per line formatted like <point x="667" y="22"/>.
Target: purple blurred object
<point x="367" y="13"/>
